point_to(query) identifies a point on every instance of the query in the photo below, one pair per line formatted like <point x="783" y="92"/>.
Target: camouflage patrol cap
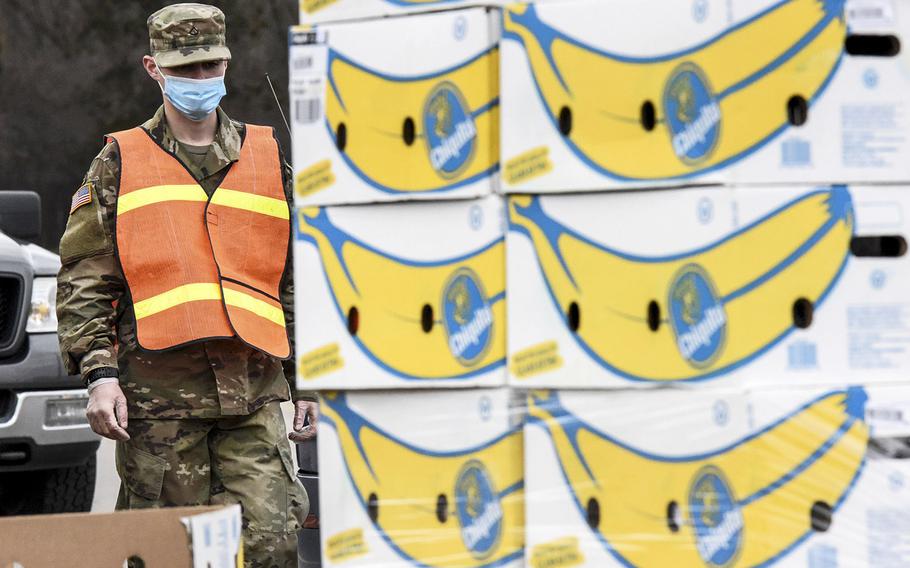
<point x="180" y="34"/>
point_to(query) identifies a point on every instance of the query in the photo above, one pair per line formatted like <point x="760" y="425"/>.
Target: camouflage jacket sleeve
<point x="287" y="294"/>
<point x="90" y="281"/>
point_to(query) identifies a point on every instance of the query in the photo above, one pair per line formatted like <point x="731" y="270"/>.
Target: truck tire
<point x="62" y="490"/>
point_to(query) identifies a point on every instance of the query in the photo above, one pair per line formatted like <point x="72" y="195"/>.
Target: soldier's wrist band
<point x="97" y="383"/>
<point x="101" y="373"/>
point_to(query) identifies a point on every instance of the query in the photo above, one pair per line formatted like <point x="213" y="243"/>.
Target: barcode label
<point x="864" y="12"/>
<point x="802" y="355"/>
<point x="308" y="61"/>
<point x="795" y="152"/>
<point x="870" y="13"/>
<point x="308" y="37"/>
<point x="303" y="63"/>
<point x="890" y="416"/>
<point x="307" y="111"/>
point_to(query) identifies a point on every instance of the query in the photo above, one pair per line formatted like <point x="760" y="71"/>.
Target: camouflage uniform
<point x="204" y="419"/>
<point x="237" y="459"/>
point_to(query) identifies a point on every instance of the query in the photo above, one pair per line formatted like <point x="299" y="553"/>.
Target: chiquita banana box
<point x="422" y="478"/>
<point x="802" y="477"/>
<point x="320" y="11"/>
<point x="630" y="93"/>
<point x="401" y="295"/>
<point x="857" y="476"/>
<point x="786" y="285"/>
<point x="395" y="109"/>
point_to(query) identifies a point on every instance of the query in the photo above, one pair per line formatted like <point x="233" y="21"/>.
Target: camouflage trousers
<point x="238" y="459"/>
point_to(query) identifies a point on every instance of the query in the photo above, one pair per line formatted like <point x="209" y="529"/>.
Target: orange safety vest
<point x="196" y="267"/>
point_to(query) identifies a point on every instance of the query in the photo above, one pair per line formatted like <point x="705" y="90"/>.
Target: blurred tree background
<point x="71" y="71"/>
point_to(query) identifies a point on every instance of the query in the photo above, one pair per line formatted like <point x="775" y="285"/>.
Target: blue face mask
<point x="194" y="98"/>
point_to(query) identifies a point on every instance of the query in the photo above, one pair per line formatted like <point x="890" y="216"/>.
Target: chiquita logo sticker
<point x="715" y="517"/>
<point x="467" y="316"/>
<point x="449" y="130"/>
<point x="697" y="316"/>
<point x="479" y="510"/>
<point x="692" y="114"/>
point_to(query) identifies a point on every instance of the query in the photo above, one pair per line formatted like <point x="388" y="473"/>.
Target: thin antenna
<point x="277" y="102"/>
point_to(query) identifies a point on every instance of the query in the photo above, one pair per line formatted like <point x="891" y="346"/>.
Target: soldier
<point x="175" y="300"/>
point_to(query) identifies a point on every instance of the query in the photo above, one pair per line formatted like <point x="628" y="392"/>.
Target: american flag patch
<point x="82" y="197"/>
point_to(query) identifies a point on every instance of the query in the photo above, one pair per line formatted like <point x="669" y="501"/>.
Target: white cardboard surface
<point x="842" y="448"/>
<point x="760" y="250"/>
<point x="735" y="65"/>
<point x="357" y="88"/>
<point x="455" y="451"/>
<point x="410" y="265"/>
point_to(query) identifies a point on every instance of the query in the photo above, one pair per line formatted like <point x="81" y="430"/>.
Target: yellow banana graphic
<point x="745" y="504"/>
<point x="428" y="133"/>
<point x="459" y="508"/>
<point x="399" y="303"/>
<point x="716" y="102"/>
<point x="725" y="303"/>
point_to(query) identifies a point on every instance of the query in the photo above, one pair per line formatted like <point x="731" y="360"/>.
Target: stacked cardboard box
<point x="323" y="11"/>
<point x="179" y="537"/>
<point x="702" y="240"/>
<point x="400" y="275"/>
<point x="723" y="351"/>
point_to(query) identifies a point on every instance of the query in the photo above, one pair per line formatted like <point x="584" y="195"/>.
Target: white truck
<point x="47" y="450"/>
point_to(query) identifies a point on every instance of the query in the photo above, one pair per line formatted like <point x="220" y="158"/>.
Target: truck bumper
<point x="30" y="439"/>
<point x="36" y="366"/>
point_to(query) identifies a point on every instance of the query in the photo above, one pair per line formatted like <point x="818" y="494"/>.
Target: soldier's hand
<point x="303" y="410"/>
<point x="106" y="412"/>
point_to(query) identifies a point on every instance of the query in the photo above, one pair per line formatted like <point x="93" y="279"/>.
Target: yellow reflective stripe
<point x="157" y="194"/>
<point x="252" y="202"/>
<point x="177" y="296"/>
<point x="262" y="309"/>
<point x="225" y="197"/>
<point x="207" y="291"/>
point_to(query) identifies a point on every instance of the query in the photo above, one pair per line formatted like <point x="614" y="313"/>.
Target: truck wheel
<point x="63" y="490"/>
